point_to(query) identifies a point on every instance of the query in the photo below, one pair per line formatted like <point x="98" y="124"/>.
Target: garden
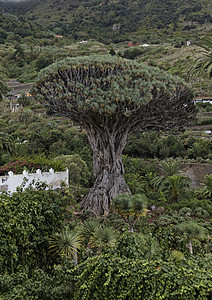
<point x="146" y="232"/>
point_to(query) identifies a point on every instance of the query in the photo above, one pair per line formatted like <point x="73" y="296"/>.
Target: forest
<point x="133" y="223"/>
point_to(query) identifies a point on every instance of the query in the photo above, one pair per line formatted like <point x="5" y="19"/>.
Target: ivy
<point x="106" y="277"/>
<point x="27" y="220"/>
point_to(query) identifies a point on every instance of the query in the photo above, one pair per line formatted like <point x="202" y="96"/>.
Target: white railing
<point x="53" y="179"/>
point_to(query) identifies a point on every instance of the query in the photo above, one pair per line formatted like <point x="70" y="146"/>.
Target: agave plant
<point x="65" y="243"/>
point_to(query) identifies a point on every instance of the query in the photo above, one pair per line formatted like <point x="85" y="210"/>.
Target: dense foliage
<point x="28" y="218"/>
<point x="113" y="20"/>
<point x="36" y="284"/>
<point x="20" y="26"/>
<point x="155" y="243"/>
<point x="112" y="277"/>
<point x="31" y="165"/>
<point x="155" y="257"/>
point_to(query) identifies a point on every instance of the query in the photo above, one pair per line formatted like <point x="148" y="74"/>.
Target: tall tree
<point x="110" y="98"/>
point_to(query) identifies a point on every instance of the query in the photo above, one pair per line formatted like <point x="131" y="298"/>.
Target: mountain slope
<point x="109" y="19"/>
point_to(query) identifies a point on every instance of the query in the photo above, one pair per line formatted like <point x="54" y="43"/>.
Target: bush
<point x="28" y="219"/>
<point x="31" y="165"/>
<point x="193" y="204"/>
<point x="78" y="170"/>
<point x="111" y="277"/>
<point x="185" y="212"/>
<point x="201" y="213"/>
<point x="36" y="284"/>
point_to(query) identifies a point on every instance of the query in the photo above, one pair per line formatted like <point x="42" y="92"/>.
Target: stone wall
<point x="196" y="172"/>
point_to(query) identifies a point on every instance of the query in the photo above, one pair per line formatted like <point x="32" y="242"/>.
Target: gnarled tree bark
<point x="108" y="170"/>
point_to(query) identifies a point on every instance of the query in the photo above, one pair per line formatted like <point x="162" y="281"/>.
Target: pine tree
<point x="110" y="98"/>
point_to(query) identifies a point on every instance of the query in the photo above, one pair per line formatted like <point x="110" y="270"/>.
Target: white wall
<point x="54" y="179"/>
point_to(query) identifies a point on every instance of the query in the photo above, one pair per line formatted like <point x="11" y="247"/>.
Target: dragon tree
<point x="110" y="98"/>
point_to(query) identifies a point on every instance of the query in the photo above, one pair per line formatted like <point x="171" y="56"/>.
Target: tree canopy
<point x="110" y="98"/>
<point x="106" y="86"/>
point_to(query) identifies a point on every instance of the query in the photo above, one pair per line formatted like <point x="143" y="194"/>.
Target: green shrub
<point x="201" y="213"/>
<point x="17" y="166"/>
<point x="79" y="173"/>
<point x="28" y="219"/>
<point x="165" y="220"/>
<point x="185" y="211"/>
<point x="138" y="245"/>
<point x="193" y="204"/>
<point x="112" y="277"/>
<point x="35" y="284"/>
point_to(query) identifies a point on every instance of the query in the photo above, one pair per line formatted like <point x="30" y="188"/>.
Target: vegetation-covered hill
<point x="115" y="20"/>
<point x="21" y="26"/>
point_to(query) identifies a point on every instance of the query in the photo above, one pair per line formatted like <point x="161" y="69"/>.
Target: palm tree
<point x="196" y="150"/>
<point x="208" y="184"/>
<point x="3" y="85"/>
<point x="65" y="243"/>
<point x="169" y="168"/>
<point x="175" y="187"/>
<point x="166" y="168"/>
<point x="191" y="230"/>
<point x="12" y="147"/>
<point x="6" y="145"/>
<point x="131" y="207"/>
<point x="203" y="64"/>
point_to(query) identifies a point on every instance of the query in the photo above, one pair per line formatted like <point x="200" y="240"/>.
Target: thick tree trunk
<point x="108" y="170"/>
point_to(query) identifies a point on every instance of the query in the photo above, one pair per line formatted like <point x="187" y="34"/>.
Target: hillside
<point x="117" y="20"/>
<point x="21" y="26"/>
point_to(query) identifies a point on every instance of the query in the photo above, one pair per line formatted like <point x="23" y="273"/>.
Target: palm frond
<point x="169" y="168"/>
<point x="203" y="64"/>
<point x="208" y="183"/>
